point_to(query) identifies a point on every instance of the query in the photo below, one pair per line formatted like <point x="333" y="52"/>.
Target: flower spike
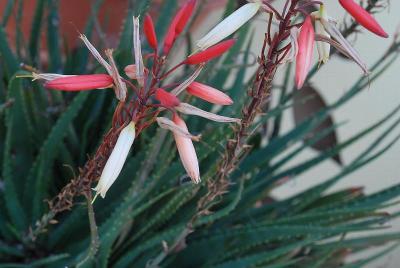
<point x="305" y="53"/>
<point x="363" y="17"/>
<point x="116" y="160"/>
<point x="150" y="32"/>
<point x="209" y="94"/>
<point x="166" y="99"/>
<point x="229" y="25"/>
<point x="186" y="151"/>
<point x="80" y="82"/>
<point x="210" y="53"/>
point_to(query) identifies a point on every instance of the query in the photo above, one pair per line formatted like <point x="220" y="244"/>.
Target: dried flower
<point x="137" y="47"/>
<point x="116" y="160"/>
<point x="229" y="25"/>
<point x="305" y="53"/>
<point x="210" y="53"/>
<point x="150" y="32"/>
<point x="80" y="82"/>
<point x="209" y="94"/>
<point x="186" y="108"/>
<point x="130" y="71"/>
<point x="166" y="99"/>
<point x="363" y="17"/>
<point x="165" y="123"/>
<point x="186" y="151"/>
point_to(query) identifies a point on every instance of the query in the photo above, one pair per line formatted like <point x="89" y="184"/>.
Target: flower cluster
<point x="144" y="96"/>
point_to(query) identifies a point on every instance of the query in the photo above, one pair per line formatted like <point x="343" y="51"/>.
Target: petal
<point x="210" y="53"/>
<point x="179" y="89"/>
<point x="165" y="123"/>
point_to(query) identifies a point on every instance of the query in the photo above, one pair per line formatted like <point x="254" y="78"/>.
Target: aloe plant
<point x="55" y="145"/>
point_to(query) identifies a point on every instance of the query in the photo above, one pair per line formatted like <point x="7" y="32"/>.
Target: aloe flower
<point x="305" y="53"/>
<point x="150" y="32"/>
<point x="186" y="151"/>
<point x="166" y="99"/>
<point x="229" y="25"/>
<point x="208" y="94"/>
<point x="210" y="53"/>
<point x="80" y="82"/>
<point x="116" y="160"/>
<point x="363" y="17"/>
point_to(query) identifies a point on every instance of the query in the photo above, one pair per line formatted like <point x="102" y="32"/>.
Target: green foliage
<point x="150" y="206"/>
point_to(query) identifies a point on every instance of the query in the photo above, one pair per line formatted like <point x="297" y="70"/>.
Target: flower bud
<point x="80" y="82"/>
<point x="209" y="94"/>
<point x="210" y="53"/>
<point x="150" y="32"/>
<point x="305" y="53"/>
<point x="166" y="99"/>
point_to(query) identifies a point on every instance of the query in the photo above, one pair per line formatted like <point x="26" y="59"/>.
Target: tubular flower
<point x="166" y="99"/>
<point x="363" y="17"/>
<point x="150" y="32"/>
<point x="186" y="151"/>
<point x="177" y="24"/>
<point x="80" y="82"/>
<point x="305" y="53"/>
<point x="323" y="48"/>
<point x="209" y="94"/>
<point x="116" y="160"/>
<point x="229" y="25"/>
<point x="210" y="53"/>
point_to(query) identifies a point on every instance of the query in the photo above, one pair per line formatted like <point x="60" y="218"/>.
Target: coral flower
<point x="209" y="94"/>
<point x="150" y="32"/>
<point x="81" y="82"/>
<point x="186" y="151"/>
<point x="210" y="53"/>
<point x="166" y="99"/>
<point x="305" y="53"/>
<point x="363" y="17"/>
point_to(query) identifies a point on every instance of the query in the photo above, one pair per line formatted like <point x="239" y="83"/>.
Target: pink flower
<point x="305" y="53"/>
<point x="186" y="151"/>
<point x="209" y="94"/>
<point x="363" y="17"/>
<point x="150" y="32"/>
<point x="81" y="82"/>
<point x="210" y="53"/>
<point x="166" y="99"/>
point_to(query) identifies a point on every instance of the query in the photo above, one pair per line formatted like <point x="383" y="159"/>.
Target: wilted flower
<point x="229" y="25"/>
<point x="116" y="160"/>
<point x="305" y="53"/>
<point x="209" y="94"/>
<point x="80" y="82"/>
<point x="363" y="17"/>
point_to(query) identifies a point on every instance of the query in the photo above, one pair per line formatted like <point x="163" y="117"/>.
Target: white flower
<point x="323" y="47"/>
<point x="116" y="160"/>
<point x="229" y="25"/>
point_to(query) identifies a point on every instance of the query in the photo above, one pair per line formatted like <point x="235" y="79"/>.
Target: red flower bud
<point x="81" y="82"/>
<point x="150" y="32"/>
<point x="209" y="94"/>
<point x="166" y="99"/>
<point x="363" y="17"/>
<point x="187" y="13"/>
<point x="305" y="53"/>
<point x="210" y="53"/>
